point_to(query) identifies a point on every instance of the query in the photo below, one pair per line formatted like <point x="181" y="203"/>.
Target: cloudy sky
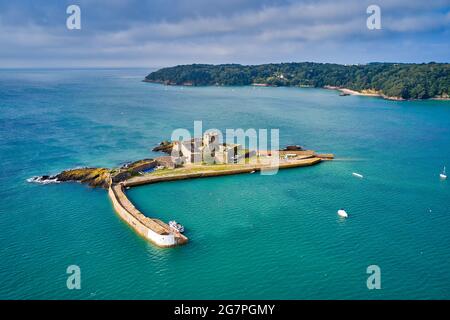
<point x="156" y="33"/>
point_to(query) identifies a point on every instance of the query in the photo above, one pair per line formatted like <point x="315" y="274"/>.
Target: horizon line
<point x="211" y="64"/>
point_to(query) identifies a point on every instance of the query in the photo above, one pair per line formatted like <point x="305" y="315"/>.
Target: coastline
<point x="150" y="171"/>
<point x="154" y="230"/>
<point x="367" y="93"/>
<point x="378" y="94"/>
<point x="157" y="231"/>
<point x="346" y="91"/>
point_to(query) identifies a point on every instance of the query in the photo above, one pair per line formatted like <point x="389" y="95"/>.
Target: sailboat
<point x="443" y="175"/>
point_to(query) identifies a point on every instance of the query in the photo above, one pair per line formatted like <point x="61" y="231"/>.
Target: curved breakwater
<point x="156" y="230"/>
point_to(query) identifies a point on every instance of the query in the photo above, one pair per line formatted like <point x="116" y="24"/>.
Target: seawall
<point x="154" y="230"/>
<point x="149" y="179"/>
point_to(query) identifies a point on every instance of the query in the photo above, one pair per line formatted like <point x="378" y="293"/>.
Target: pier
<point x="200" y="171"/>
<point x="152" y="229"/>
<point x="157" y="231"/>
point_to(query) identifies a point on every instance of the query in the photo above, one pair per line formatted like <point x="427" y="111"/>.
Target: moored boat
<point x="443" y="174"/>
<point x="176" y="226"/>
<point x="342" y="213"/>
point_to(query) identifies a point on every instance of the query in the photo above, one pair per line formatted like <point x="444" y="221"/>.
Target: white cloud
<point x="417" y="23"/>
<point x="294" y="31"/>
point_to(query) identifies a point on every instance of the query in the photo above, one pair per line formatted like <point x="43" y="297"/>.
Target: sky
<point x="159" y="33"/>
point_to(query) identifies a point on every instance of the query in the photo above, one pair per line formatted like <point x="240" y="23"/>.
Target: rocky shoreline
<point x="391" y="81"/>
<point x="104" y="177"/>
<point x="344" y="91"/>
<point x="94" y="177"/>
<point x="165" y="147"/>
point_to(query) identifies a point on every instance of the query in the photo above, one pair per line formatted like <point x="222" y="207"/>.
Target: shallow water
<point x="252" y="236"/>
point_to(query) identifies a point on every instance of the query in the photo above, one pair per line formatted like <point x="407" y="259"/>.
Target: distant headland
<point x="396" y="81"/>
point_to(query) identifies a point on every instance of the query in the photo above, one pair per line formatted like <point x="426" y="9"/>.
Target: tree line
<point x="407" y="81"/>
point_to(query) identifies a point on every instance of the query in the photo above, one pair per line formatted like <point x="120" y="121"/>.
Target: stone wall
<point x="161" y="239"/>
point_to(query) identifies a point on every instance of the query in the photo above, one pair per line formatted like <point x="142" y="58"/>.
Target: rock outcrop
<point x="293" y="148"/>
<point x="165" y="146"/>
<point x="98" y="177"/>
<point x="131" y="169"/>
<point x="94" y="177"/>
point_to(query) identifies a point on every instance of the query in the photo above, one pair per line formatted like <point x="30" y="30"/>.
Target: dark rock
<point x="122" y="176"/>
<point x="165" y="146"/>
<point x="95" y="177"/>
<point x="293" y="148"/>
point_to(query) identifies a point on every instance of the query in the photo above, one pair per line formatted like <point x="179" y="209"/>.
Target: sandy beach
<point x="369" y="93"/>
<point x="374" y="93"/>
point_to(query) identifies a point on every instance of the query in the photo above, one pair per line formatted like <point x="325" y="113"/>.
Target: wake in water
<point x="350" y="159"/>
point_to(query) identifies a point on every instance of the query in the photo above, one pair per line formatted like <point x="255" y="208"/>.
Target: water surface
<point x="251" y="236"/>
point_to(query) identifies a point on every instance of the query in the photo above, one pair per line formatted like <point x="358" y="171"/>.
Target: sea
<point x="251" y="236"/>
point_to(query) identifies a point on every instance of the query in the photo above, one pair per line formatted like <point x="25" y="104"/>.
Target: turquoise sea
<point x="252" y="236"/>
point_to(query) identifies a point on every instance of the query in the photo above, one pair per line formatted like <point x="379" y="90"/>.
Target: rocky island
<point x="222" y="160"/>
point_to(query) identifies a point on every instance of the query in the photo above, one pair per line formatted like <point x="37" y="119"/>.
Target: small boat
<point x="253" y="171"/>
<point x="342" y="213"/>
<point x="357" y="175"/>
<point x="176" y="226"/>
<point x="443" y="175"/>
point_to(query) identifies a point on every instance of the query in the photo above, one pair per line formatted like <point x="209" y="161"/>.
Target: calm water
<point x="251" y="236"/>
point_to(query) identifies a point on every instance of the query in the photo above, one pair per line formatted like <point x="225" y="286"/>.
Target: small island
<point x="181" y="163"/>
<point x="393" y="81"/>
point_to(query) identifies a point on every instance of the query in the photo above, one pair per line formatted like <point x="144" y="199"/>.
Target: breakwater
<point x="149" y="179"/>
<point x="156" y="230"/>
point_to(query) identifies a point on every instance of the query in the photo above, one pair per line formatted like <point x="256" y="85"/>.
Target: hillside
<point x="391" y="80"/>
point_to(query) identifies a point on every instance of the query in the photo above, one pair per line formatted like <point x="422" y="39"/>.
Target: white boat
<point x="342" y="213"/>
<point x="176" y="226"/>
<point x="357" y="175"/>
<point x="443" y="175"/>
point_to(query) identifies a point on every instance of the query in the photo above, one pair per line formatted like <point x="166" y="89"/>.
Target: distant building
<point x="207" y="149"/>
<point x="166" y="162"/>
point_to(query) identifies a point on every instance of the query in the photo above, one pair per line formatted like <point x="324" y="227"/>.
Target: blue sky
<point x="156" y="33"/>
